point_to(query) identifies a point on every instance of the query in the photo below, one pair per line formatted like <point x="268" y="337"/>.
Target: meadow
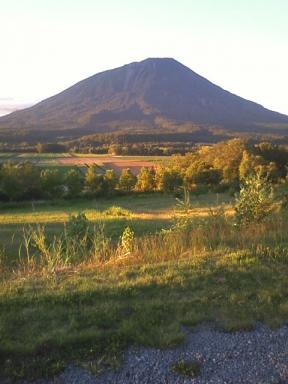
<point x="173" y="267"/>
<point x="85" y="275"/>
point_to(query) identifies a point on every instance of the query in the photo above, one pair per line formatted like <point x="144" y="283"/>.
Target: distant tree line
<point x="125" y="149"/>
<point x="220" y="167"/>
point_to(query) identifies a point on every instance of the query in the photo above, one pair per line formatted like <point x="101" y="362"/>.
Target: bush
<point x="117" y="211"/>
<point x="78" y="243"/>
<point x="77" y="227"/>
<point x="255" y="200"/>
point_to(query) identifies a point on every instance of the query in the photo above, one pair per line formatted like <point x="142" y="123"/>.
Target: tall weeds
<point x="81" y="244"/>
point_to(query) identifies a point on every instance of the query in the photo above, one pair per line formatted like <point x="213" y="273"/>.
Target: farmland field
<point x="81" y="160"/>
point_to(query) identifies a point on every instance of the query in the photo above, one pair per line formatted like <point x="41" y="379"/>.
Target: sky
<point x="48" y="45"/>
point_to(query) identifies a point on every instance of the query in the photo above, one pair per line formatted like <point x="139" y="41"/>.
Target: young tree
<point x="145" y="180"/>
<point x="127" y="180"/>
<point x="111" y="181"/>
<point x="255" y="199"/>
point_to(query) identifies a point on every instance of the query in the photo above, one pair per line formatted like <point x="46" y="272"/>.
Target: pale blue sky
<point x="48" y="45"/>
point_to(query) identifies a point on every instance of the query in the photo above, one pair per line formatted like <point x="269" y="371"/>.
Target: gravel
<point x="257" y="357"/>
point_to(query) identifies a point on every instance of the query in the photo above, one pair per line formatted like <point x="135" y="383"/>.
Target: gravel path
<point x="257" y="357"/>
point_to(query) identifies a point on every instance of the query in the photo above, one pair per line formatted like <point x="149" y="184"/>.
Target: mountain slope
<point x="154" y="93"/>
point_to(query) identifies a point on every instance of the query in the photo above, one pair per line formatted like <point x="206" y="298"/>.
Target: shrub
<point x="117" y="211"/>
<point x="255" y="200"/>
<point x="77" y="227"/>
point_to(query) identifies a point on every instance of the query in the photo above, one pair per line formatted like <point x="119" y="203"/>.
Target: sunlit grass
<point x="90" y="308"/>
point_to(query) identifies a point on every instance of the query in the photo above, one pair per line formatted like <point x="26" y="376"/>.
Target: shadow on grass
<point x="46" y="324"/>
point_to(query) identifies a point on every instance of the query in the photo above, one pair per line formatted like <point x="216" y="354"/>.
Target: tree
<point x="201" y="173"/>
<point x="127" y="180"/>
<point x="111" y="180"/>
<point x="20" y="181"/>
<point x="74" y="182"/>
<point x="252" y="164"/>
<point x="226" y="156"/>
<point x="50" y="147"/>
<point x="52" y="182"/>
<point x="94" y="181"/>
<point x="273" y="153"/>
<point x="145" y="180"/>
<point x="168" y="180"/>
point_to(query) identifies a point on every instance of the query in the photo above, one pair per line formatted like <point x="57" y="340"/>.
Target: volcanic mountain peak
<point x="138" y="96"/>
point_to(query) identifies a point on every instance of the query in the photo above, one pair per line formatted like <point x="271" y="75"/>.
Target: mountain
<point x="155" y="94"/>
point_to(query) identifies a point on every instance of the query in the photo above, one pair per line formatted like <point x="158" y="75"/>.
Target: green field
<point x="147" y="214"/>
<point x="88" y="311"/>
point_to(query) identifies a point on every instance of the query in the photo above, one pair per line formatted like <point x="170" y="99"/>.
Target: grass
<point x="152" y="206"/>
<point x="83" y="315"/>
<point x="41" y="155"/>
<point x="186" y="368"/>
<point x="148" y="213"/>
<point x="87" y="312"/>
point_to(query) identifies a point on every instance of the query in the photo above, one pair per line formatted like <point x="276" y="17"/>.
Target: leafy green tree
<point x="95" y="182"/>
<point x="252" y="164"/>
<point x="52" y="183"/>
<point x="127" y="180"/>
<point x="73" y="181"/>
<point x="273" y="153"/>
<point x="20" y="181"/>
<point x="226" y="156"/>
<point x="201" y="173"/>
<point x="111" y="181"/>
<point x="168" y="180"/>
<point x="145" y="180"/>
